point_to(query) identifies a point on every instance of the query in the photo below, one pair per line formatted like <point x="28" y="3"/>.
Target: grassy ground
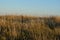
<point x="26" y="28"/>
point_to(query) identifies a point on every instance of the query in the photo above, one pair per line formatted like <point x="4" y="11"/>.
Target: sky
<point x="30" y="7"/>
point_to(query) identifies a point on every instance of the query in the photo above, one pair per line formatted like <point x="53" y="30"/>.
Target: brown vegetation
<point x="29" y="28"/>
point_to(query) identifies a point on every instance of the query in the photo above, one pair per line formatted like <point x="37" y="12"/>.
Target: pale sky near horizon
<point x="30" y="7"/>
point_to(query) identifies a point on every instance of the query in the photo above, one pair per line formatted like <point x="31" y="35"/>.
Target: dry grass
<point x="26" y="28"/>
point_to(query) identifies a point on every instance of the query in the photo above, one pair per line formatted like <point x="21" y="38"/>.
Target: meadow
<point x="29" y="28"/>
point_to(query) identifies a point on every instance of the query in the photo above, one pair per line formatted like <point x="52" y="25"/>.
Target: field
<point x="29" y="28"/>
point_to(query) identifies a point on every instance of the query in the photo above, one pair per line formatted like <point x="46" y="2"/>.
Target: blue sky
<point x="30" y="7"/>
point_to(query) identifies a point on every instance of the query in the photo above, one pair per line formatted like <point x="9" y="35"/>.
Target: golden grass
<point x="26" y="28"/>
